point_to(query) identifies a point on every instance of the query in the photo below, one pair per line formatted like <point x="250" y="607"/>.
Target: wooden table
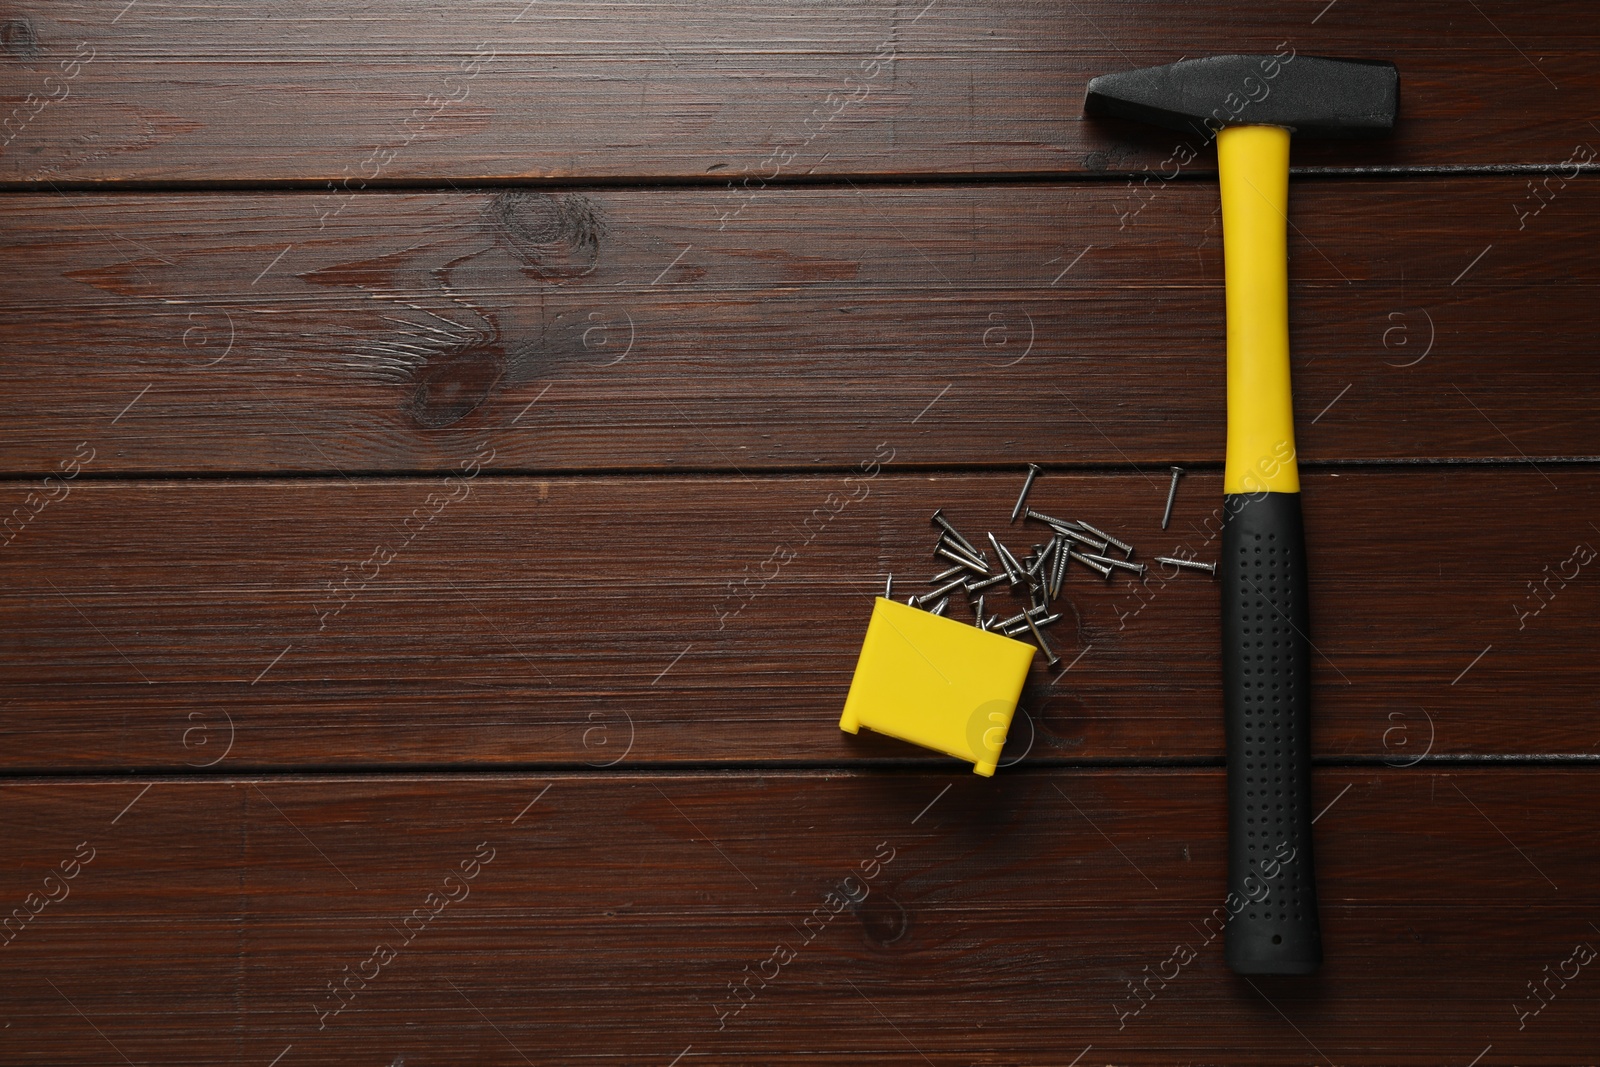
<point x="451" y="450"/>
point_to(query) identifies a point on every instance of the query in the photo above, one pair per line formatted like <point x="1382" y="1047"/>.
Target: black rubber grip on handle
<point x="1266" y="689"/>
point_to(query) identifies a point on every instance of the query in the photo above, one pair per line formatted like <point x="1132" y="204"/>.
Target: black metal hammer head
<point x="1312" y="95"/>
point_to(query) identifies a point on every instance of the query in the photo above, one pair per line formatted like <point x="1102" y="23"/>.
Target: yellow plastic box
<point x="937" y="683"/>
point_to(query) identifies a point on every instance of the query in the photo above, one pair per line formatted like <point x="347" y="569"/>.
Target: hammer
<point x="1251" y="104"/>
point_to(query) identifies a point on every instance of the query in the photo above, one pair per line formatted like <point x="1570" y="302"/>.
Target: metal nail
<point x="956" y="546"/>
<point x="1016" y="620"/>
<point x="943" y="591"/>
<point x="949" y="544"/>
<point x="955" y="534"/>
<point x="1021" y="628"/>
<point x="973" y="587"/>
<point x="888" y="588"/>
<point x="1127" y="549"/>
<point x="1082" y="539"/>
<point x="1018" y="576"/>
<point x="1044" y="647"/>
<point x="1059" y="571"/>
<point x="1033" y="472"/>
<point x="1048" y="520"/>
<point x="938" y="609"/>
<point x="1192" y="564"/>
<point x="1136" y="568"/>
<point x="1007" y="562"/>
<point x="978" y="611"/>
<point x="1172" y="493"/>
<point x="1101" y="568"/>
<point x="1021" y="625"/>
<point x="945" y="576"/>
<point x="961" y="560"/>
<point x="1016" y="565"/>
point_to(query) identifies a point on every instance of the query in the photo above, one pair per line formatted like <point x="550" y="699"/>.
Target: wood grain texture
<point x="996" y="921"/>
<point x="667" y="620"/>
<point x="451" y="451"/>
<point x="371" y="91"/>
<point x="388" y="332"/>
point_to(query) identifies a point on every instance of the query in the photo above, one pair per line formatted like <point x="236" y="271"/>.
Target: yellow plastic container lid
<point x="937" y="683"/>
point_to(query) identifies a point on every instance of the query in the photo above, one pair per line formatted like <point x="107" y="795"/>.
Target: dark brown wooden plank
<point x="353" y="91"/>
<point x="1002" y="923"/>
<point x="247" y="332"/>
<point x="717" y="619"/>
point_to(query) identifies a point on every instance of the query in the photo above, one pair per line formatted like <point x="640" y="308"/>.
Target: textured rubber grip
<point x="1266" y="687"/>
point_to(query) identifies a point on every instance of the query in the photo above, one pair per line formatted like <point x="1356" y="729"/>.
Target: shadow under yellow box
<point x="937" y="683"/>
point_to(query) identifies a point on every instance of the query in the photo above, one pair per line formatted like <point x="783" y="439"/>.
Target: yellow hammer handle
<point x="1266" y="650"/>
<point x="1253" y="165"/>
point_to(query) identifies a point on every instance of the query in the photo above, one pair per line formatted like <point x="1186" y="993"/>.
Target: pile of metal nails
<point x="1038" y="575"/>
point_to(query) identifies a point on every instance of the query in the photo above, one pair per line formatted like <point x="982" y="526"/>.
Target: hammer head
<point x="1309" y="94"/>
